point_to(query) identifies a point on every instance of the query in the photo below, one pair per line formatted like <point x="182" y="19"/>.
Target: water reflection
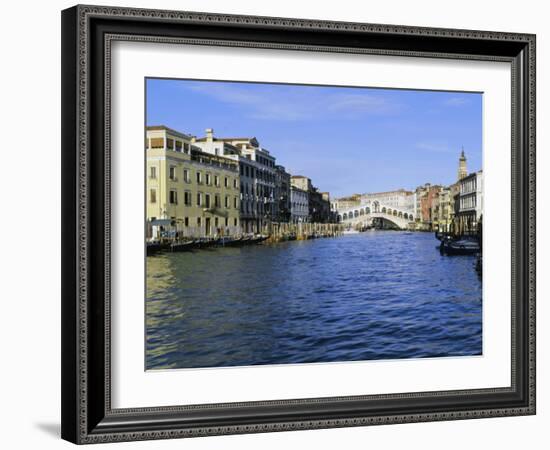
<point x="374" y="295"/>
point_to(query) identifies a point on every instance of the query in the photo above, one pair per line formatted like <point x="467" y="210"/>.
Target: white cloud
<point x="297" y="104"/>
<point x="457" y="101"/>
<point x="437" y="147"/>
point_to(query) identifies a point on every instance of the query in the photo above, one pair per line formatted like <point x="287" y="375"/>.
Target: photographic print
<point x="294" y="224"/>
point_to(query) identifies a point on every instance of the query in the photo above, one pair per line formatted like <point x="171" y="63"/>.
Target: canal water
<point x="367" y="296"/>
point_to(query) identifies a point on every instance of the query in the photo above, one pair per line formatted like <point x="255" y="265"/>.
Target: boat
<point x="182" y="246"/>
<point x="350" y="232"/>
<point x="459" y="247"/>
<point x="154" y="247"/>
<point x="258" y="239"/>
<point x="228" y="241"/>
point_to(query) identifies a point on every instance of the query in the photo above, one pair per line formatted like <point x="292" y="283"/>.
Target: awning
<point x="161" y="222"/>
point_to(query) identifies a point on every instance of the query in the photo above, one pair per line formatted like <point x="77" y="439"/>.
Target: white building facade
<point x="299" y="205"/>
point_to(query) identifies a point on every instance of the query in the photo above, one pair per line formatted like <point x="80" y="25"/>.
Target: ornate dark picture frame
<point x="87" y="33"/>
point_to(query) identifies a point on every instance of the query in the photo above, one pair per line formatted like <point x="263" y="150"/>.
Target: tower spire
<point x="462" y="170"/>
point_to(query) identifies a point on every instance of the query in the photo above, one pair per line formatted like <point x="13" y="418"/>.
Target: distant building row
<point x="456" y="208"/>
<point x="210" y="185"/>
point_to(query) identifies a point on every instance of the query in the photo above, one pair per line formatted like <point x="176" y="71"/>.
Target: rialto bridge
<point x="364" y="215"/>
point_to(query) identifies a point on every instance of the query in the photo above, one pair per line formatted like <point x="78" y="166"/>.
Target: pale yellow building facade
<point x="189" y="193"/>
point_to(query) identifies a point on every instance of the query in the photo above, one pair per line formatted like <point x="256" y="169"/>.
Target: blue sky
<point x="347" y="140"/>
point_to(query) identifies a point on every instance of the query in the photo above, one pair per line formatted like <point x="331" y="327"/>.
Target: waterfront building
<point x="428" y="206"/>
<point x="399" y="199"/>
<point x="419" y="194"/>
<point x="299" y="205"/>
<point x="470" y="203"/>
<point x="318" y="207"/>
<point x="189" y="192"/>
<point x="257" y="177"/>
<point x="282" y="195"/>
<point x="328" y="212"/>
<point x="345" y="203"/>
<point x="443" y="210"/>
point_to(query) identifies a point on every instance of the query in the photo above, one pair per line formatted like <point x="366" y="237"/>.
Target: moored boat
<point x="459" y="247"/>
<point x="154" y="247"/>
<point x="182" y="246"/>
<point x="350" y="232"/>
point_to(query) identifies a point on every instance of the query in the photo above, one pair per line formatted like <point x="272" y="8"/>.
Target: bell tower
<point x="462" y="171"/>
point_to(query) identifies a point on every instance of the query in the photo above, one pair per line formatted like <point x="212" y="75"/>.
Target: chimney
<point x="209" y="135"/>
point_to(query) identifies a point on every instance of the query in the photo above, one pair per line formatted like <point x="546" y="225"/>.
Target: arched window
<point x="345" y="216"/>
<point x="361" y="212"/>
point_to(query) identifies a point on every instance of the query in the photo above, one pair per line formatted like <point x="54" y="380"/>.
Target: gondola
<point x="459" y="247"/>
<point x="154" y="247"/>
<point x="182" y="246"/>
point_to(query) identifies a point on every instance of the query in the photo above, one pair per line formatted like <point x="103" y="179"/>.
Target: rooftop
<point x="168" y="130"/>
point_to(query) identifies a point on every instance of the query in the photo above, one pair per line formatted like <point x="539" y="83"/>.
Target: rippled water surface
<point x="374" y="295"/>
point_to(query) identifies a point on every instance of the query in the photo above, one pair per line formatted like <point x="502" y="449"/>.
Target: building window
<point x="199" y="177"/>
<point x="236" y="202"/>
<point x="235" y="222"/>
<point x="178" y="146"/>
<point x="227" y="201"/>
<point x="172" y="173"/>
<point x="235" y="183"/>
<point x="226" y="221"/>
<point x="187" y="198"/>
<point x="198" y="221"/>
<point x="226" y="182"/>
<point x="216" y="222"/>
<point x="152" y="172"/>
<point x="208" y="179"/>
<point x="186" y="221"/>
<point x="216" y="180"/>
<point x="157" y="142"/>
<point x="174" y="197"/>
<point x="199" y="199"/>
<point x="186" y="147"/>
<point x="186" y="177"/>
<point x="207" y="200"/>
<point x="170" y="144"/>
<point x="217" y="201"/>
<point x="153" y="196"/>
